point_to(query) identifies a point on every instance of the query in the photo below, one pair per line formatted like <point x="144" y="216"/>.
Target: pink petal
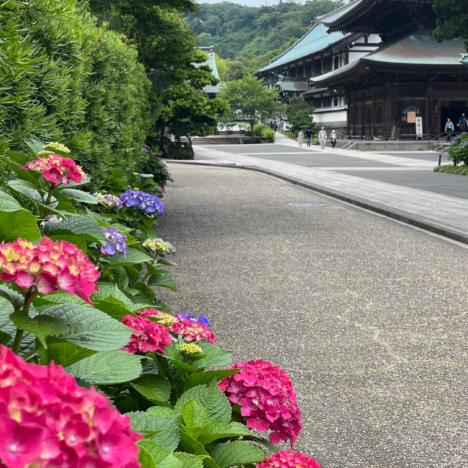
<point x="66" y="281"/>
<point x="46" y="283"/>
<point x="24" y="279"/>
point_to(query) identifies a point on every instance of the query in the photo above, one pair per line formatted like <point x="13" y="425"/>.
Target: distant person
<point x="172" y="137"/>
<point x="333" y="139"/>
<point x="323" y="138"/>
<point x="275" y="126"/>
<point x="449" y="129"/>
<point x="271" y="124"/>
<point x="309" y="137"/>
<point x="300" y="138"/>
<point x="190" y="139"/>
<point x="463" y="123"/>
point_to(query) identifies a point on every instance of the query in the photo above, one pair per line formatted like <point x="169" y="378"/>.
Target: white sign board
<point x="419" y="128"/>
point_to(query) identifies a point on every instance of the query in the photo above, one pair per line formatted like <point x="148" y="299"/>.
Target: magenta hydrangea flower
<point x="191" y="331"/>
<point x="47" y="267"/>
<point x="288" y="459"/>
<point x="151" y="336"/>
<point x="115" y="242"/>
<point x="48" y="421"/>
<point x="267" y="399"/>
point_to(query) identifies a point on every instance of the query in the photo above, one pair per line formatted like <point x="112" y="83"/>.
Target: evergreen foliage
<point x="251" y="36"/>
<point x="64" y="78"/>
<point x="452" y="19"/>
<point x="250" y="101"/>
<point x="299" y="114"/>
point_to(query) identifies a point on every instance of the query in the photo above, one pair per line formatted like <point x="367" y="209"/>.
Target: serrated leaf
<point x="107" y="367"/>
<point x="145" y="459"/>
<point x="112" y="307"/>
<point x="66" y="354"/>
<point x="217" y="404"/>
<point x="221" y="429"/>
<point x="133" y="257"/>
<point x="262" y="441"/>
<point x="199" y="394"/>
<point x="18" y="224"/>
<point x="5" y="338"/>
<point x="190" y="445"/>
<point x="83" y="225"/>
<point x="153" y="387"/>
<point x="161" y="430"/>
<point x="90" y="328"/>
<point x="41" y="326"/>
<point x="236" y="453"/>
<point x="15" y="299"/>
<point x="163" y="458"/>
<point x="22" y="174"/>
<point x="8" y="203"/>
<point x="162" y="281"/>
<point x="190" y="461"/>
<point x="162" y="411"/>
<point x="27" y="189"/>
<point x="203" y="378"/>
<point x="194" y="414"/>
<point x="215" y="356"/>
<point x="78" y="195"/>
<point x="121" y="277"/>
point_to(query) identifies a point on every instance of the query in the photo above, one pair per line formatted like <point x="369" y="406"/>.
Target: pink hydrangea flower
<point x="48" y="421"/>
<point x="193" y="331"/>
<point x="48" y="267"/>
<point x="289" y="459"/>
<point x="151" y="336"/>
<point x="166" y="320"/>
<point x="57" y="169"/>
<point x="267" y="399"/>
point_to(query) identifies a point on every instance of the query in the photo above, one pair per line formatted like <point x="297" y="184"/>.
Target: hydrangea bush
<point x="95" y="371"/>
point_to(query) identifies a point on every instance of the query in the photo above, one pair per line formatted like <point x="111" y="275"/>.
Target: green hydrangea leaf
<point x="107" y="367"/>
<point x="194" y="414"/>
<point x="158" y="429"/>
<point x="162" y="457"/>
<point x="153" y="387"/>
<point x="236" y="453"/>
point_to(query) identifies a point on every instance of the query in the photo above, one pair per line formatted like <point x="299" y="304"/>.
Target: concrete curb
<point x="362" y="203"/>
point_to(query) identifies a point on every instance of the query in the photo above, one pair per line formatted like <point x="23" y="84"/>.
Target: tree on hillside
<point x="452" y="19"/>
<point x="250" y="101"/>
<point x="299" y="114"/>
<point x="185" y="108"/>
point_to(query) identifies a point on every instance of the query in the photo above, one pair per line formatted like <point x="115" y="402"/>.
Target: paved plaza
<point x="402" y="185"/>
<point x="367" y="316"/>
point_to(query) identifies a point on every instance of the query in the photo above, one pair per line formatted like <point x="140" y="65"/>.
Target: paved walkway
<point x="387" y="182"/>
<point x="367" y="316"/>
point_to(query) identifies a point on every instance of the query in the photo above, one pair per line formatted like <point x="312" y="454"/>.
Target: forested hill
<point x="252" y="36"/>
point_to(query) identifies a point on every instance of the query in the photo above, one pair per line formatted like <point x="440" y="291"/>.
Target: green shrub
<point x="65" y="79"/>
<point x="458" y="151"/>
<point x="258" y="129"/>
<point x="268" y="135"/>
<point x="449" y="169"/>
<point x="180" y="151"/>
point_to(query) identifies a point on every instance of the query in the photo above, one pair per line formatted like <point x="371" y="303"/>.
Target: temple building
<point x="378" y="63"/>
<point x="316" y="53"/>
<point x="212" y="91"/>
<point x="409" y="73"/>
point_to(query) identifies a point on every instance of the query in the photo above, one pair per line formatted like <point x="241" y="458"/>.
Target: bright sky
<point x="247" y="2"/>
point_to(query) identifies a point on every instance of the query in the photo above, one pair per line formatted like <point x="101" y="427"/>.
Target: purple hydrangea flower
<point x="203" y="319"/>
<point x="145" y="201"/>
<point x="51" y="219"/>
<point x="115" y="242"/>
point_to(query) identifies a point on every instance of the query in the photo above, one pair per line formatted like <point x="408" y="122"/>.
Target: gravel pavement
<point x="367" y="316"/>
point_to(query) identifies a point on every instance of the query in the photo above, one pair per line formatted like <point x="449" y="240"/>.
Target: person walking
<point x="300" y="138"/>
<point x="275" y="126"/>
<point x="333" y="139"/>
<point x="449" y="129"/>
<point x="463" y="123"/>
<point x="309" y="137"/>
<point x="323" y="138"/>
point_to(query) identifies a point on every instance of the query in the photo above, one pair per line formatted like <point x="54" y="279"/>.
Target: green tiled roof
<point x="313" y="41"/>
<point x="419" y="48"/>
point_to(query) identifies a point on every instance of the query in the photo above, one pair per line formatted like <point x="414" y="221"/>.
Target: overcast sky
<point x="247" y="2"/>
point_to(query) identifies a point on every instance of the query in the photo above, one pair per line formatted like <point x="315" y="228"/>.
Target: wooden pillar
<point x="363" y="113"/>
<point x="394" y="111"/>
<point x="355" y="112"/>
<point x="373" y="113"/>
<point x="428" y="126"/>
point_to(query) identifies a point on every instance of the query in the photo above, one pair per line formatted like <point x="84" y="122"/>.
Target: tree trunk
<point x="252" y="128"/>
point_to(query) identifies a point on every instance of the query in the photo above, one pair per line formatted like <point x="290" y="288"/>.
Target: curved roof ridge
<point x="339" y="12"/>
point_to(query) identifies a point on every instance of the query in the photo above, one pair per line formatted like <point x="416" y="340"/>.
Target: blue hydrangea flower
<point x="203" y="319"/>
<point x="115" y="242"/>
<point x="144" y="201"/>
